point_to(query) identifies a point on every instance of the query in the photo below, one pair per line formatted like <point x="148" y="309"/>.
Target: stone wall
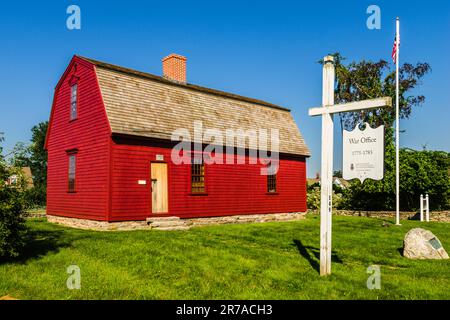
<point x="440" y="216"/>
<point x="172" y="223"/>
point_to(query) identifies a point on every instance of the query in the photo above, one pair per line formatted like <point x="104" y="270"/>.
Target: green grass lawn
<point x="248" y="261"/>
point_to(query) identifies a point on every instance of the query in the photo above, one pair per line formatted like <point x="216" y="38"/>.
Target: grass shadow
<point x="38" y="243"/>
<point x="312" y="254"/>
<point x="415" y="217"/>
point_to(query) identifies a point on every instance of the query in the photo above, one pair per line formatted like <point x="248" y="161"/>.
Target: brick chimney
<point x="174" y="68"/>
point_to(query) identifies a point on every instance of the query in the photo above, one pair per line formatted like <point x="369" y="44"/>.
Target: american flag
<point x="394" y="50"/>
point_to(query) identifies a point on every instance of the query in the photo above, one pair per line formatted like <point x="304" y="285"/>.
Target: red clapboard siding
<point x="231" y="188"/>
<point x="90" y="135"/>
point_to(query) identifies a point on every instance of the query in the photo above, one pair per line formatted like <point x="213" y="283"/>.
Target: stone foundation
<point x="97" y="225"/>
<point x="172" y="223"/>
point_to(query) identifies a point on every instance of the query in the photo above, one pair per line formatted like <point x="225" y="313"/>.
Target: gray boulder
<point x="423" y="244"/>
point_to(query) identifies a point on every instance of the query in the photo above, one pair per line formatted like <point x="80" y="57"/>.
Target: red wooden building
<point x="109" y="147"/>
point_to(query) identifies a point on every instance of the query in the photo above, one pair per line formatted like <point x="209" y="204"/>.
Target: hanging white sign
<point x="363" y="153"/>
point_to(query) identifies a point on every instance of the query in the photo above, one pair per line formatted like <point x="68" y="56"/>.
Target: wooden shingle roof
<point x="143" y="104"/>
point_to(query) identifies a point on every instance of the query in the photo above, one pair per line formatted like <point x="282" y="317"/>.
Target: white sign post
<point x="326" y="111"/>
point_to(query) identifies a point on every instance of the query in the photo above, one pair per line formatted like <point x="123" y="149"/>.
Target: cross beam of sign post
<point x="327" y="110"/>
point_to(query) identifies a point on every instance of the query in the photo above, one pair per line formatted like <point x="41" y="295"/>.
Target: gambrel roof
<point x="143" y="104"/>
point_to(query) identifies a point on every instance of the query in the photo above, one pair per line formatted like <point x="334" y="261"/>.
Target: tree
<point x="20" y="155"/>
<point x="337" y="173"/>
<point x="425" y="172"/>
<point x="12" y="207"/>
<point x="35" y="157"/>
<point x="38" y="156"/>
<point x="367" y="80"/>
<point x="2" y="166"/>
<point x="421" y="172"/>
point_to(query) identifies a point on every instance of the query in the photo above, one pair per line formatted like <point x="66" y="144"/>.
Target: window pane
<point x="74" y="93"/>
<point x="73" y="110"/>
<point x="73" y="101"/>
<point x="272" y="183"/>
<point x="72" y="164"/>
<point x="72" y="169"/>
<point x="197" y="175"/>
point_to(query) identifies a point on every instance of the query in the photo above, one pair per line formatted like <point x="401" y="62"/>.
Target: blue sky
<point x="266" y="50"/>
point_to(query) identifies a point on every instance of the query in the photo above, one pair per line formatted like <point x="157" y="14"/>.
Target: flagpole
<point x="397" y="135"/>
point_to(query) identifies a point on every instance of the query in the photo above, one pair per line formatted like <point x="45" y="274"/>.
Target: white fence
<point x="425" y="204"/>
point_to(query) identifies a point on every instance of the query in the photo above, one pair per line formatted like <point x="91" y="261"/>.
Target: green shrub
<point x="313" y="198"/>
<point x="421" y="172"/>
<point x="36" y="196"/>
<point x="12" y="208"/>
